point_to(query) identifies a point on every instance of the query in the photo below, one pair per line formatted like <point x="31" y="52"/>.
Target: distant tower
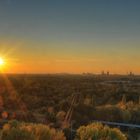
<point x="124" y="99"/>
<point x="131" y="73"/>
<point x="108" y="73"/>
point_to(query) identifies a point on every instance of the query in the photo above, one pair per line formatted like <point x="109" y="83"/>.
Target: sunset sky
<point x="71" y="36"/>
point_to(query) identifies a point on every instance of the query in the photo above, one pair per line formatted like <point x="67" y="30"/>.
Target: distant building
<point x="105" y="74"/>
<point x="108" y="73"/>
<point x="131" y="73"/>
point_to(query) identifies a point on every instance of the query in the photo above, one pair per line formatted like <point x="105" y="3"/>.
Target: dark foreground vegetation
<point x="25" y="131"/>
<point x="68" y="102"/>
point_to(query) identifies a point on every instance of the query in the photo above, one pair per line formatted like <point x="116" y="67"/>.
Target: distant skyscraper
<point x="108" y="73"/>
<point x="131" y="73"/>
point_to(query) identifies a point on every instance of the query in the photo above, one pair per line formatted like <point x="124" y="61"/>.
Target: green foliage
<point x="23" y="131"/>
<point x="97" y="131"/>
<point x="126" y="115"/>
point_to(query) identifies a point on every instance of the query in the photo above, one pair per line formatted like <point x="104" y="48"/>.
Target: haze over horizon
<point x="70" y="36"/>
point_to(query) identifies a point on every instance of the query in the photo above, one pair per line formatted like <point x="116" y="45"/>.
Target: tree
<point x="26" y="131"/>
<point x="97" y="131"/>
<point x="1" y="103"/>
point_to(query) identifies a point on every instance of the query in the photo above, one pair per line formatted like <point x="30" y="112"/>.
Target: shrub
<point x="25" y="131"/>
<point x="97" y="131"/>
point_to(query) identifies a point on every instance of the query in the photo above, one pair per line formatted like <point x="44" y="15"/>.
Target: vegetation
<point x="15" y="130"/>
<point x="99" y="132"/>
<point x="24" y="131"/>
<point x="51" y="99"/>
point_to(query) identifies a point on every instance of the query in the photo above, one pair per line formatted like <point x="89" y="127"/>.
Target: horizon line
<point x="67" y="73"/>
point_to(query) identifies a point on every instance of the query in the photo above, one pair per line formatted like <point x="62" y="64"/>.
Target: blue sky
<point x="64" y="19"/>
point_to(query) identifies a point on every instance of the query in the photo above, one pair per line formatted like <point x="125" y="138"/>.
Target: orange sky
<point x="58" y="59"/>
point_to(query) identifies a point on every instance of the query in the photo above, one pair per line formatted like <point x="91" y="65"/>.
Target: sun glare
<point x="1" y="61"/>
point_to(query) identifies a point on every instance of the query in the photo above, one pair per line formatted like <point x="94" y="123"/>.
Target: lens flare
<point x="1" y="61"/>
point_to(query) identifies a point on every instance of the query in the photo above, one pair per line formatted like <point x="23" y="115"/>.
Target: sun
<point x="1" y="61"/>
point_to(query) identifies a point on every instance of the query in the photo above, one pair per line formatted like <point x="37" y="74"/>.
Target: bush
<point x="24" y="131"/>
<point x="97" y="131"/>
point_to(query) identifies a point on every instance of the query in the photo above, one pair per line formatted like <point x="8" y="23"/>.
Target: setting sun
<point x="1" y="61"/>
